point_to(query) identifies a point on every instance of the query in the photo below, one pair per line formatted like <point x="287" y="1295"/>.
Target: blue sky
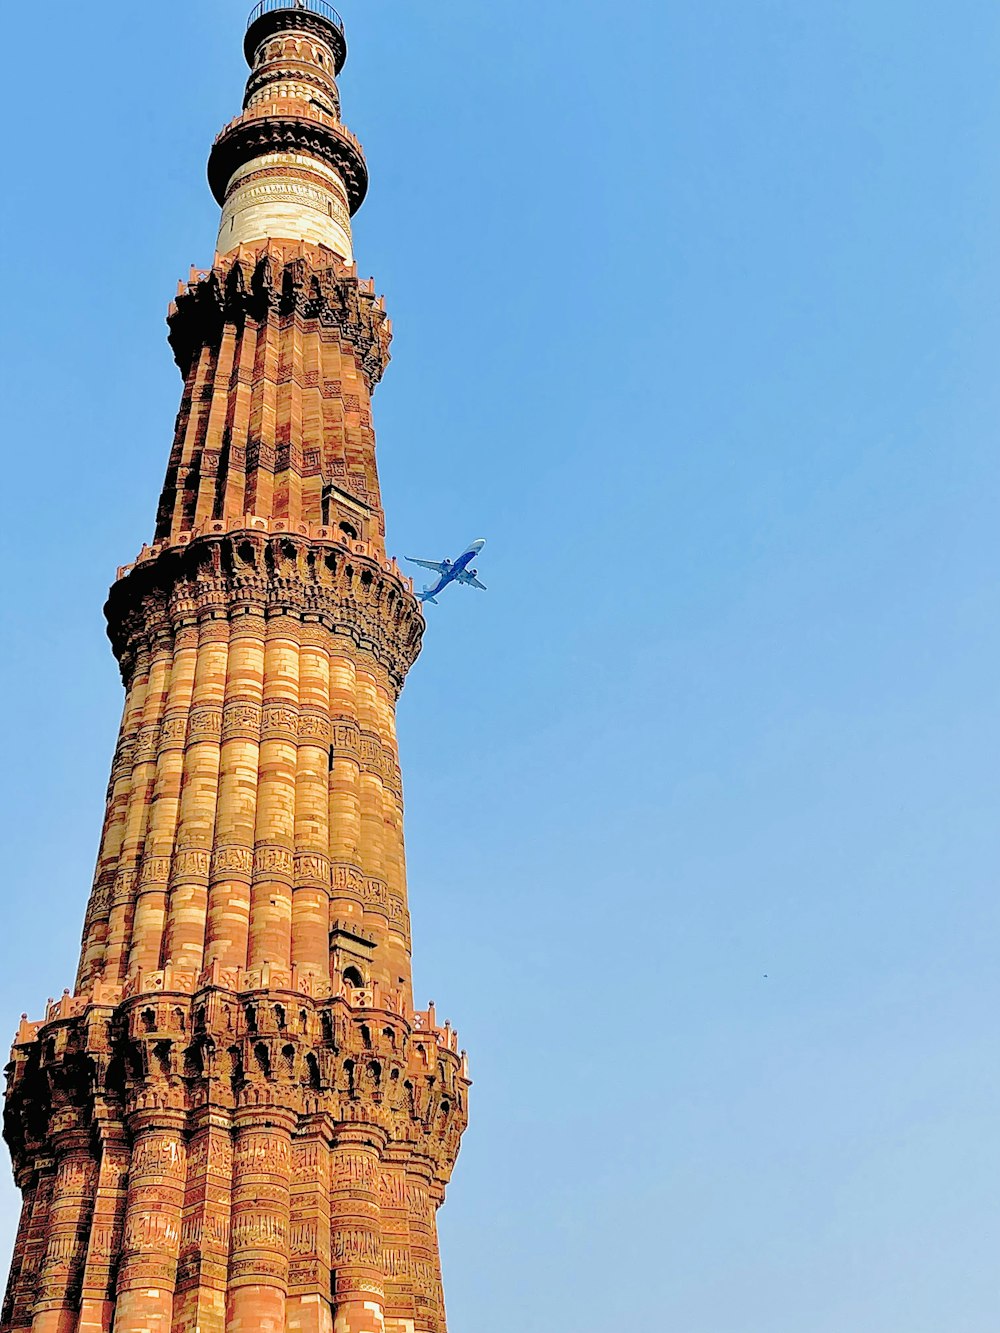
<point x="697" y="306"/>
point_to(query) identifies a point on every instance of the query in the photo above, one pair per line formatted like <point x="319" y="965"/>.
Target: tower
<point x="237" y="1120"/>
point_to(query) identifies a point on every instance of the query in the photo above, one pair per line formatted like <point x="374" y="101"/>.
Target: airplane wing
<point x="428" y="564"/>
<point x="472" y="581"/>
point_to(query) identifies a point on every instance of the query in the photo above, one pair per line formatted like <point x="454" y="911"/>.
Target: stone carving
<point x="157" y="1155"/>
<point x="250" y="1230"/>
<point x="354" y="1168"/>
<point x="149" y="1231"/>
<point x="191" y="864"/>
<point x="202" y="1131"/>
<point x="311" y="868"/>
<point x="232" y="863"/>
<point x="274" y="862"/>
<point x="244" y="287"/>
<point x="355" y="1245"/>
<point x="205" y="724"/>
<point x="278" y="720"/>
<point x="253" y="136"/>
<point x="155" y="870"/>
<point x="352" y="595"/>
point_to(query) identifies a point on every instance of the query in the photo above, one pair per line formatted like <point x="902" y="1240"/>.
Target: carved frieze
<point x="242" y="288"/>
<point x="275" y="575"/>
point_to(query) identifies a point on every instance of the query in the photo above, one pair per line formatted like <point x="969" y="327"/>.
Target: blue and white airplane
<point x="451" y="571"/>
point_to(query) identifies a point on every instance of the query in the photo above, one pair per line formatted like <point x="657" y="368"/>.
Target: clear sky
<point x="697" y="307"/>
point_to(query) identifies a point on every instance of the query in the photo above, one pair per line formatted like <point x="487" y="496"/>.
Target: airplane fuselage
<point x="450" y="571"/>
<point x="453" y="570"/>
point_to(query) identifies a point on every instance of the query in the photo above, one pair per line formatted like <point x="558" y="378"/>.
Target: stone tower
<point x="237" y="1120"/>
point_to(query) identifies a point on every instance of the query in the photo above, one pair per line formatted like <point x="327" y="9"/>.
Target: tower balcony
<point x="271" y="16"/>
<point x="312" y="6"/>
<point x="288" y="124"/>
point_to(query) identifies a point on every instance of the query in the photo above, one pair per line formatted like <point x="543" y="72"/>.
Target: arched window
<point x="312" y="1065"/>
<point x="348" y="531"/>
<point x="353" y="978"/>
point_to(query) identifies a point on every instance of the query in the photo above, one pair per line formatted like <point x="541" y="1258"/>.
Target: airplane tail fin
<point x="425" y="596"/>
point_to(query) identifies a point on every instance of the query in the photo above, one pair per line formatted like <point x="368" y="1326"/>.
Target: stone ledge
<point x="250" y="523"/>
<point x="267" y="980"/>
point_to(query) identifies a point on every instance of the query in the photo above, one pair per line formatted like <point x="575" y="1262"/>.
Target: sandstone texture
<point x="237" y="1119"/>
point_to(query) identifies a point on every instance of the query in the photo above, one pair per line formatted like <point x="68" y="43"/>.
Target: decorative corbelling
<point x="241" y="1044"/>
<point x="273" y="129"/>
<point x="177" y="1078"/>
<point x="272" y="574"/>
<point x="247" y="285"/>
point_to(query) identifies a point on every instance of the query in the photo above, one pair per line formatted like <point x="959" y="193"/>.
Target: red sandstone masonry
<point x="238" y="1121"/>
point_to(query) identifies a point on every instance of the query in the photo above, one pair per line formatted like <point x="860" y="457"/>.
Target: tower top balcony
<point x="270" y="16"/>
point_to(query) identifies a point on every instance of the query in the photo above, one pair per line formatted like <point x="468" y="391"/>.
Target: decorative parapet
<point x="69" y="1006"/>
<point x="347" y="592"/>
<point x="290" y="279"/>
<point x="27" y="1032"/>
<point x="280" y="8"/>
<point x="253" y="523"/>
<point x="181" y="1020"/>
<point x="288" y="128"/>
<point x="307" y="15"/>
<point x="245" y="982"/>
<point x="303" y="111"/>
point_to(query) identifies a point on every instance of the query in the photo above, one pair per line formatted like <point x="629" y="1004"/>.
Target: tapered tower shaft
<point x="237" y="1120"/>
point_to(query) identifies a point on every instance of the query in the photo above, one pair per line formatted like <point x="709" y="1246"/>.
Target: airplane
<point x="451" y="571"/>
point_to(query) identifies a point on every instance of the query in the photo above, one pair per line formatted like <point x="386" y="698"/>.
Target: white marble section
<point x="267" y="199"/>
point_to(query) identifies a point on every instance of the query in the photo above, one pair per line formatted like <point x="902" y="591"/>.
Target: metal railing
<point x="319" y="7"/>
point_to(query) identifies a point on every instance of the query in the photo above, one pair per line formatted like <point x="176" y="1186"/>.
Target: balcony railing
<point x="319" y="7"/>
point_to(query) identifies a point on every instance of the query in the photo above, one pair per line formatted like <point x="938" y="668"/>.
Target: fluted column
<point x="356" y="1231"/>
<point x="437" y="1199"/>
<point x="258" y="1257"/>
<point x="400" y="1302"/>
<point x="232" y="859"/>
<point x="211" y="452"/>
<point x="192" y="425"/>
<point x="97" y="923"/>
<point x="69" y="1215"/>
<point x="288" y="440"/>
<point x="373" y="828"/>
<point x="423" y="1242"/>
<point x="232" y="498"/>
<point x="148" y="925"/>
<point x="311" y="895"/>
<point x="97" y="1299"/>
<point x="312" y="431"/>
<point x="263" y="418"/>
<point x="203" y="1263"/>
<point x="308" y="1308"/>
<point x="151" y="669"/>
<point x="151" y="1244"/>
<point x="345" y="790"/>
<point x="22" y="1291"/>
<point x="398" y="935"/>
<point x="274" y="833"/>
<point x="27" y="1183"/>
<point x="169" y="505"/>
<point x="184" y="945"/>
<point x="215" y="1133"/>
